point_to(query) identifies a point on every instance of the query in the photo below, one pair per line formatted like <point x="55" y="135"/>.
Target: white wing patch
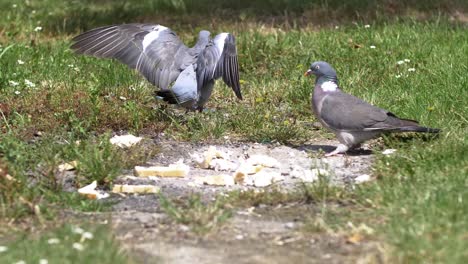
<point x="219" y="41"/>
<point x="329" y="86"/>
<point x="152" y="36"/>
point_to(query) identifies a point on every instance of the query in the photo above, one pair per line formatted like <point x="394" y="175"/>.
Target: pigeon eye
<point x="317" y="67"/>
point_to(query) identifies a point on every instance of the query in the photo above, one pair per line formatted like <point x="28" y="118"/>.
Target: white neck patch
<point x="329" y="86"/>
<point x="152" y="36"/>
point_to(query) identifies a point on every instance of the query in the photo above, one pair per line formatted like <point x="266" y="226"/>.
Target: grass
<point x="269" y="196"/>
<point x="421" y="193"/>
<point x="36" y="181"/>
<point x="67" y="244"/>
<point x="199" y="216"/>
<point x="319" y="192"/>
<point x="419" y="197"/>
<point x="204" y="217"/>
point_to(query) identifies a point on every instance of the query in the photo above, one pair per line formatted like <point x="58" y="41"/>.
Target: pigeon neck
<point x="324" y="78"/>
<point x="327" y="83"/>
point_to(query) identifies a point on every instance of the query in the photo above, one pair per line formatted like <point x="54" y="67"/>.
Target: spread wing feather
<point x="219" y="59"/>
<point x="154" y="50"/>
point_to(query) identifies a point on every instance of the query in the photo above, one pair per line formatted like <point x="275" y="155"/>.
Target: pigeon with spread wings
<point x="184" y="76"/>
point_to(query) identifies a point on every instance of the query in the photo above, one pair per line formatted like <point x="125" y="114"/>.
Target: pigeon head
<point x="203" y="40"/>
<point x="321" y="68"/>
<point x="204" y="34"/>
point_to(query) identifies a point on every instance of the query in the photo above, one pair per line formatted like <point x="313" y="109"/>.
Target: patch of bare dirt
<point x="264" y="234"/>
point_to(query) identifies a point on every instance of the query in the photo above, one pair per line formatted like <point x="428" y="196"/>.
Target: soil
<point x="264" y="234"/>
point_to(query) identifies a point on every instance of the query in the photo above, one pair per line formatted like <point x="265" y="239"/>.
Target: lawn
<point x="411" y="61"/>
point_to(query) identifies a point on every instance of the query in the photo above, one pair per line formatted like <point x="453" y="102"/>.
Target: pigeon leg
<point x="206" y="110"/>
<point x="341" y="148"/>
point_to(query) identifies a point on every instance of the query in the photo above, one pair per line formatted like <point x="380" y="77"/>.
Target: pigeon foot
<point x="338" y="151"/>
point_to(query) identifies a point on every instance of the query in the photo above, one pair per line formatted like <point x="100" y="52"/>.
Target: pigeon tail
<point x="419" y="129"/>
<point x="409" y="125"/>
<point x="168" y="96"/>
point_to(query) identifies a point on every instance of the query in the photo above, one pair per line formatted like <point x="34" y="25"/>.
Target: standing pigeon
<point x="351" y="119"/>
<point x="161" y="57"/>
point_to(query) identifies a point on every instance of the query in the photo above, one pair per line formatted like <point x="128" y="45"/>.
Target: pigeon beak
<point x="308" y="72"/>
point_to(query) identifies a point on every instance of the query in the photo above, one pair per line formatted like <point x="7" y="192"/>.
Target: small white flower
<point x="43" y="261"/>
<point x="337" y="27"/>
<point x="123" y="98"/>
<point x="71" y="65"/>
<point x="33" y="12"/>
<point x="87" y="235"/>
<point x="20" y="62"/>
<point x="78" y="246"/>
<point x="14" y="6"/>
<point x="3" y="249"/>
<point x="13" y="83"/>
<point x="406" y="60"/>
<point x="53" y="241"/>
<point x="29" y="83"/>
<point x="37" y="29"/>
<point x="366" y="26"/>
<point x="411" y="69"/>
<point x="77" y="230"/>
<point x="372" y="47"/>
<point x="398" y="76"/>
<point x="20" y="262"/>
<point x="17" y="92"/>
<point x="400" y="62"/>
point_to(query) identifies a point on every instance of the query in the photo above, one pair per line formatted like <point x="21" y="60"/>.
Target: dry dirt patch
<point x="264" y="234"/>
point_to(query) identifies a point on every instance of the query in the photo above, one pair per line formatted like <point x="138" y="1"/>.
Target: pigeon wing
<point x="219" y="59"/>
<point x="344" y="112"/>
<point x="154" y="50"/>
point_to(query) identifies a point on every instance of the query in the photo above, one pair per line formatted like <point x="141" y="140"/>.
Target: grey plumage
<point x="184" y="90"/>
<point x="351" y="119"/>
<point x="161" y="57"/>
